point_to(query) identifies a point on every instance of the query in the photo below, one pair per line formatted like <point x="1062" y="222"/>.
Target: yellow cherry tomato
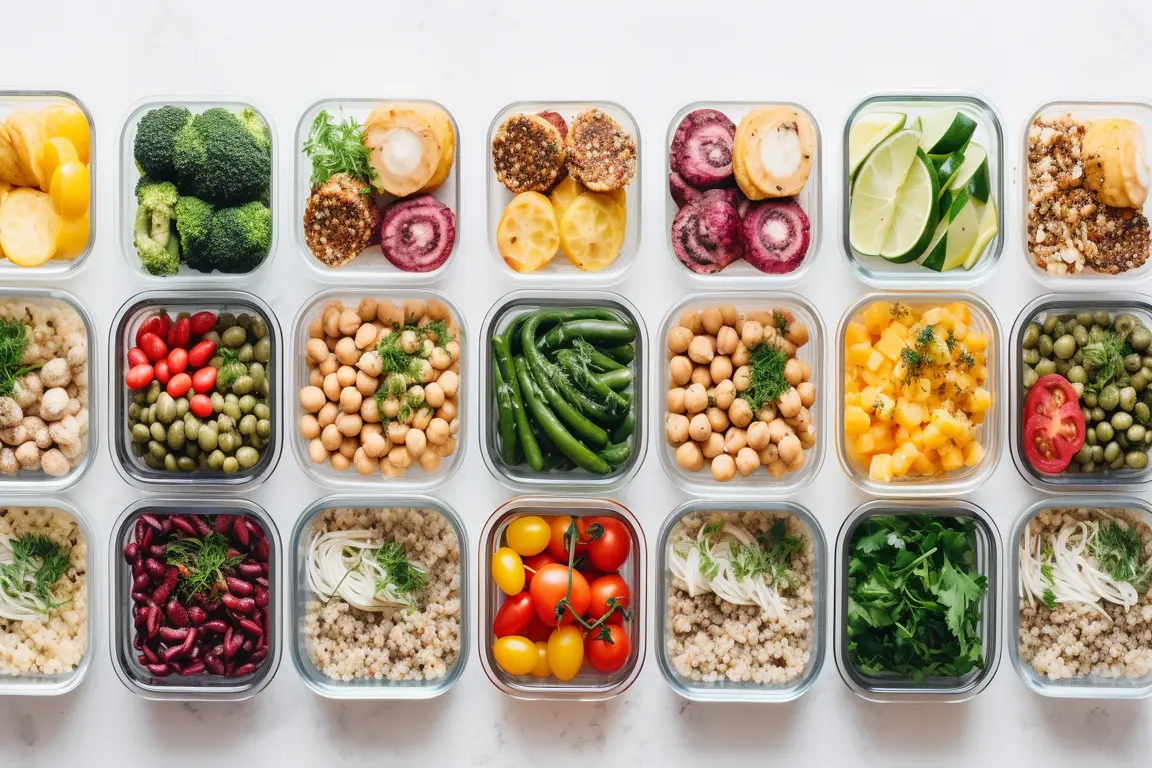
<point x="515" y="655"/>
<point x="73" y="237"/>
<point x="68" y="121"/>
<point x="508" y="570"/>
<point x="69" y="190"/>
<point x="528" y="535"/>
<point x="542" y="668"/>
<point x="56" y="152"/>
<point x="566" y="652"/>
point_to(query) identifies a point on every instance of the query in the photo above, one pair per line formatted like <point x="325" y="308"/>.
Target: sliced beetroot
<point x="557" y="120"/>
<point x="727" y="194"/>
<point x="742" y="203"/>
<point x="776" y="235"/>
<point x="682" y="192"/>
<point x="701" y="149"/>
<point x="417" y="234"/>
<point x="706" y="234"/>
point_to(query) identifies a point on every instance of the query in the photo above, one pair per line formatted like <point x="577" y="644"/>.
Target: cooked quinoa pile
<point x="710" y="640"/>
<point x="56" y="643"/>
<point x="1074" y="640"/>
<point x="346" y="643"/>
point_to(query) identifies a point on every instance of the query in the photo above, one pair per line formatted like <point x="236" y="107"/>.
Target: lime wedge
<point x="915" y="214"/>
<point x="954" y="237"/>
<point x="873" y="204"/>
<point x="867" y="132"/>
<point x="917" y="123"/>
<point x="947" y="131"/>
<point x="973" y="174"/>
<point x="986" y="232"/>
<point x="947" y="166"/>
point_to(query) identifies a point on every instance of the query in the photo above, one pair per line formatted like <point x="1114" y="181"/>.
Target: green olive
<point x="217" y="402"/>
<point x="1109" y="397"/>
<point x="192" y="428"/>
<point x="1044" y="346"/>
<point x="1063" y="366"/>
<point x="1140" y="338"/>
<point x="247" y="403"/>
<point x="157" y="431"/>
<point x="1104" y="432"/>
<point x="262" y="411"/>
<point x="232" y="411"/>
<point x="216" y="459"/>
<point x="1111" y="451"/>
<point x="264" y="428"/>
<point x="140" y="399"/>
<point x="176" y="435"/>
<point x="1030" y="357"/>
<point x="258" y="329"/>
<point x="247" y="425"/>
<point x="207" y="438"/>
<point x="1135" y="433"/>
<point x="1090" y="435"/>
<point x="1121" y="420"/>
<point x="133" y="411"/>
<point x="1101" y="317"/>
<point x="1064" y="347"/>
<point x="157" y="449"/>
<point x="262" y="351"/>
<point x="229" y="442"/>
<point x="1124" y="323"/>
<point x="224" y="423"/>
<point x="1080" y="334"/>
<point x="193" y="449"/>
<point x="1045" y="366"/>
<point x="1029" y="377"/>
<point x="244" y="354"/>
<point x="1086" y="468"/>
<point x="166" y="408"/>
<point x="1127" y="398"/>
<point x="225" y="320"/>
<point x="1096" y="453"/>
<point x="256" y="371"/>
<point x="1089" y="399"/>
<point x="1132" y="363"/>
<point x="231" y="466"/>
<point x="1142" y="412"/>
<point x="1138" y="380"/>
<point x="1030" y="336"/>
<point x="181" y="407"/>
<point x="1136" y="460"/>
<point x="138" y="449"/>
<point x="244" y="320"/>
<point x="1084" y="455"/>
<point x="213" y="336"/>
<point x="186" y="464"/>
<point x="169" y="463"/>
<point x="1077" y="374"/>
<point x="141" y="433"/>
<point x="242" y="385"/>
<point x="234" y="337"/>
<point x="247" y="457"/>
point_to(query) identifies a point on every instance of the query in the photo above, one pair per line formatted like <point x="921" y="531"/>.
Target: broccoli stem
<point x="161" y="228"/>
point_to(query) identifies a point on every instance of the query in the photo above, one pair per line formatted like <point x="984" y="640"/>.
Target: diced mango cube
<point x="881" y="469"/>
<point x="884" y="407"/>
<point x="960" y="311"/>
<point x="865" y="444"/>
<point x="875" y="361"/>
<point x="935" y="316"/>
<point x="903" y="459"/>
<point x="973" y="453"/>
<point x="851" y="398"/>
<point x="980" y="400"/>
<point x="924" y="465"/>
<point x="909" y="415"/>
<point x="953" y="459"/>
<point x="868" y="397"/>
<point x="932" y="437"/>
<point x="882" y="436"/>
<point x="976" y="341"/>
<point x="877" y="317"/>
<point x="890" y="345"/>
<point x="899" y="329"/>
<point x="855" y="333"/>
<point x="859" y="353"/>
<point x="856" y="421"/>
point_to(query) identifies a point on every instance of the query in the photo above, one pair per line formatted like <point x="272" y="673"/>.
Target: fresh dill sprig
<point x="37" y="564"/>
<point x="404" y="577"/>
<point x="1119" y="552"/>
<point x="202" y="562"/>
<point x="13" y="345"/>
<point x="766" y="366"/>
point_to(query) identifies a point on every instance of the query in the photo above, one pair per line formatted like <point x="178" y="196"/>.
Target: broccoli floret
<point x="157" y="259"/>
<point x="257" y="127"/>
<point x="157" y="208"/>
<point x="219" y="160"/>
<point x="239" y="239"/>
<point x="193" y="221"/>
<point x="155" y="143"/>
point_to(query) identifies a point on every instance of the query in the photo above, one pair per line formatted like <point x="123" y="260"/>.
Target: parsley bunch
<point x="335" y="147"/>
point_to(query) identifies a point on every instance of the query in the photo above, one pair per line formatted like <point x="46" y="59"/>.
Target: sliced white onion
<point x="343" y="564"/>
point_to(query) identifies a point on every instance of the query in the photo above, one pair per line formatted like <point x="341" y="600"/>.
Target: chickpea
<point x="349" y="322"/>
<point x="390" y="314"/>
<point x="797" y="333"/>
<point x="363" y="464"/>
<point x="329" y="364"/>
<point x="752" y="333"/>
<point x="747" y="461"/>
<point x="740" y="413"/>
<point x="390" y="408"/>
<point x="712" y="318"/>
<point x="315" y="378"/>
<point x="718" y="418"/>
<point x="312" y="399"/>
<point x="702" y="349"/>
<point x="332" y="319"/>
<point x="680" y="369"/>
<point x="437" y="431"/>
<point x="429" y="461"/>
<point x="793" y="374"/>
<point x="767" y="413"/>
<point x="699" y="428"/>
<point x="676" y="400"/>
<point x="790" y="448"/>
<point x="725" y="394"/>
<point x="690" y="319"/>
<point x="702" y="376"/>
<point x="388" y="470"/>
<point x="422" y="418"/>
<point x="448" y="448"/>
<point x="366" y="309"/>
<point x="331" y="437"/>
<point x="366" y="336"/>
<point x="440" y="359"/>
<point x="317" y="350"/>
<point x="437" y="310"/>
<point x="350" y="400"/>
<point x="735" y="439"/>
<point x="309" y="427"/>
<point x="677" y="428"/>
<point x="349" y="424"/>
<point x="316" y="328"/>
<point x="769" y="454"/>
<point x="330" y="342"/>
<point x="807" y="392"/>
<point x="726" y="340"/>
<point x="679" y="338"/>
<point x="742" y="379"/>
<point x="713" y="446"/>
<point x="332" y="387"/>
<point x="695" y="398"/>
<point x="721" y="368"/>
<point x="723" y="468"/>
<point x="805" y="370"/>
<point x="797" y="463"/>
<point x="807" y="437"/>
<point x="434" y="395"/>
<point x="741" y="356"/>
<point x="365" y="384"/>
<point x="801" y="421"/>
<point x="371" y="364"/>
<point x="416" y="442"/>
<point x="346" y="351"/>
<point x="396" y="432"/>
<point x="374" y="445"/>
<point x="758" y="437"/>
<point x="688" y="457"/>
<point x="328" y="414"/>
<point x="777" y="469"/>
<point x="449" y="382"/>
<point x="453" y="350"/>
<point x="447" y="411"/>
<point x="316" y="451"/>
<point x="340" y="462"/>
<point x="399" y="457"/>
<point x="789" y="404"/>
<point x="414" y="309"/>
<point x="346" y="375"/>
<point x="778" y="430"/>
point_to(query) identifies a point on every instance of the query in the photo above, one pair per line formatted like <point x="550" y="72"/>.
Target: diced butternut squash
<point x="981" y="399"/>
<point x="881" y="469"/>
<point x="976" y="341"/>
<point x="909" y="415"/>
<point x="924" y="465"/>
<point x="903" y="459"/>
<point x="884" y="407"/>
<point x="960" y="311"/>
<point x="890" y="345"/>
<point x="973" y="453"/>
<point x="877" y="316"/>
<point x="859" y="353"/>
<point x="865" y="444"/>
<point x="851" y="398"/>
<point x="882" y="435"/>
<point x="875" y="361"/>
<point x="953" y="459"/>
<point x="932" y="437"/>
<point x="856" y="421"/>
<point x="856" y="333"/>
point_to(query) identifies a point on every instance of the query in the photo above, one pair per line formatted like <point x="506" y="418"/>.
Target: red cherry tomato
<point x="204" y="380"/>
<point x="609" y="550"/>
<point x="202" y="322"/>
<point x="514" y="615"/>
<point x="154" y="347"/>
<point x="538" y="631"/>
<point x="178" y="360"/>
<point x="165" y="324"/>
<point x="136" y="356"/>
<point x="535" y="563"/>
<point x="201" y="353"/>
<point x="604" y="588"/>
<point x="1053" y="424"/>
<point x="180" y="333"/>
<point x="163" y="372"/>
<point x="604" y="654"/>
<point x="200" y="405"/>
<point x="139" y="376"/>
<point x="152" y="325"/>
<point x="558" y="545"/>
<point x="179" y="385"/>
<point x="550" y="585"/>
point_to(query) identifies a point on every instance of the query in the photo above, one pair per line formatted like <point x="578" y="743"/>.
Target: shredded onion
<point x="343" y="564"/>
<point x="18" y="600"/>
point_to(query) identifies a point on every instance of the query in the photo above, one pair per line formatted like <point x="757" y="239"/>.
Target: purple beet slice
<point x="776" y="235"/>
<point x="727" y="194"/>
<point x="682" y="192"/>
<point x="742" y="203"/>
<point x="417" y="234"/>
<point x="557" y="120"/>
<point x="701" y="149"/>
<point x="706" y="234"/>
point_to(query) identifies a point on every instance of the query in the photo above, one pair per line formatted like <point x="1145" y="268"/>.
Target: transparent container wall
<point x="989" y="434"/>
<point x="202" y="687"/>
<point x="18" y="302"/>
<point x="560" y="269"/>
<point x="521" y="477"/>
<point x="878" y="272"/>
<point x="302" y="595"/>
<point x="1037" y="311"/>
<point x="1087" y="687"/>
<point x="740" y="274"/>
<point x="760" y="482"/>
<point x="1089" y="279"/>
<point x="893" y="688"/>
<point x="134" y="314"/>
<point x="371" y="264"/>
<point x="728" y="690"/>
<point x="130" y="175"/>
<point x="52" y="684"/>
<point x="588" y="685"/>
<point x="10" y="172"/>
<point x="414" y="478"/>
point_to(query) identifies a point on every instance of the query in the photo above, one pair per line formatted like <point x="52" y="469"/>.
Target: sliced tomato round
<point x="1053" y="424"/>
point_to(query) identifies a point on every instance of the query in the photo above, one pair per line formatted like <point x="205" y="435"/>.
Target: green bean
<point x="503" y="359"/>
<point x="586" y="430"/>
<point x="624" y="431"/>
<point x="618" y="380"/>
<point x="597" y="360"/>
<point x="569" y="445"/>
<point x="587" y="381"/>
<point x="616" y="454"/>
<point x="621" y="354"/>
<point x="610" y="332"/>
<point x="506" y="415"/>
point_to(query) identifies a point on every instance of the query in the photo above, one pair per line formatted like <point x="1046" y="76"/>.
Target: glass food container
<point x="371" y="265"/>
<point x="124" y="328"/>
<point x="126" y="204"/>
<point x="990" y="433"/>
<point x="588" y="685"/>
<point x="199" y="687"/>
<point x="520" y="477"/>
<point x="302" y="595"/>
<point x="892" y="688"/>
<point x="415" y="478"/>
<point x="1038" y="310"/>
<point x="560" y="271"/>
<point x="728" y="690"/>
<point x="702" y="483"/>
<point x="1093" y="686"/>
<point x="881" y="273"/>
<point x="740" y="274"/>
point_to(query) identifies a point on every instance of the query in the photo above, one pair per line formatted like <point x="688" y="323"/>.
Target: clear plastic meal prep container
<point x="741" y="274"/>
<point x="302" y="594"/>
<point x="371" y="264"/>
<point x="130" y="174"/>
<point x="1090" y="687"/>
<point x="990" y="434"/>
<point x="560" y="270"/>
<point x="128" y="321"/>
<point x="727" y="690"/>
<point x="588" y="685"/>
<point x="414" y="479"/>
<point x="881" y="273"/>
<point x="1139" y="112"/>
<point x="892" y="688"/>
<point x="202" y="687"/>
<point x="27" y="481"/>
<point x="15" y="100"/>
<point x="39" y="684"/>
<point x="1060" y="304"/>
<point x="521" y="477"/>
<point x="761" y="483"/>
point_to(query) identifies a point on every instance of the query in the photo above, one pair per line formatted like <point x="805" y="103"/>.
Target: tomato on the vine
<point x="536" y="562"/>
<point x="515" y="655"/>
<point x="528" y="535"/>
<point x="514" y="616"/>
<point x="558" y="544"/>
<point x="566" y="652"/>
<point x="550" y="585"/>
<point x="606" y="655"/>
<point x="508" y="570"/>
<point x="537" y="630"/>
<point x="602" y="590"/>
<point x="542" y="668"/>
<point x="610" y="549"/>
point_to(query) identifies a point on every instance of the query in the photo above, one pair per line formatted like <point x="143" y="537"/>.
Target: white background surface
<point x="475" y="59"/>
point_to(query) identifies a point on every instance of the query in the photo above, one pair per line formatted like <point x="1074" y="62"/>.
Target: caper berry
<point x="1111" y="451"/>
<point x="1044" y="346"/>
<point x="231" y="466"/>
<point x="1104" y="432"/>
<point x="1050" y="324"/>
<point x="244" y="354"/>
<point x="207" y="438"/>
<point x="1127" y="398"/>
<point x="186" y="463"/>
<point x="264" y="428"/>
<point x="141" y="433"/>
<point x="247" y="403"/>
<point x="1080" y="334"/>
<point x="216" y="460"/>
<point x="1140" y="338"/>
<point x="175" y="438"/>
<point x="243" y="385"/>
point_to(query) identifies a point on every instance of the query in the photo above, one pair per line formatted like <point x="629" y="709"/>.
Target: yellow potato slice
<point x="26" y="132"/>
<point x="11" y="170"/>
<point x="592" y="232"/>
<point x="564" y="194"/>
<point x="442" y="124"/>
<point x="5" y="188"/>
<point x="528" y="234"/>
<point x="29" y="227"/>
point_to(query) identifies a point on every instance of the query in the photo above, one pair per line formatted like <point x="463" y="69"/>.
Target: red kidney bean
<point x="197" y="615"/>
<point x="150" y="654"/>
<point x="152" y="521"/>
<point x="216" y="650"/>
<point x="239" y="587"/>
<point x="177" y="614"/>
<point x="158" y="552"/>
<point x="215" y="666"/>
<point x="180" y="523"/>
<point x="165" y="524"/>
<point x="254" y="530"/>
<point x="251" y="627"/>
<point x="201" y="524"/>
<point x="238" y="604"/>
<point x="247" y="646"/>
<point x="243" y="670"/>
<point x="223" y="524"/>
<point x="153" y="620"/>
<point x="160" y="670"/>
<point x="171" y="635"/>
<point x="233" y="552"/>
<point x="162" y="592"/>
<point x="131" y="551"/>
<point x="258" y="655"/>
<point x="212" y="606"/>
<point x="263" y="550"/>
<point x="195" y="668"/>
<point x="197" y="649"/>
<point x="143" y="598"/>
<point x="138" y="566"/>
<point x="261" y="597"/>
<point x="262" y="581"/>
<point x="138" y="642"/>
<point x="232" y="644"/>
<point x="249" y="569"/>
<point x="141" y="582"/>
<point x="240" y="530"/>
<point x="214" y="625"/>
<point x="154" y="568"/>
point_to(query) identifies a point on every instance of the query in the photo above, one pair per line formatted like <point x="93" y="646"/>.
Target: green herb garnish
<point x="231" y="368"/>
<point x="13" y="345"/>
<point x="1119" y="552"/>
<point x="337" y="147"/>
<point x="202" y="562"/>
<point x="1105" y="359"/>
<point x="37" y="564"/>
<point x="766" y="365"/>
<point x="403" y="576"/>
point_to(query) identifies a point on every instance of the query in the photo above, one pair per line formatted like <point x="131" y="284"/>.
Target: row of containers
<point x="981" y="135"/>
